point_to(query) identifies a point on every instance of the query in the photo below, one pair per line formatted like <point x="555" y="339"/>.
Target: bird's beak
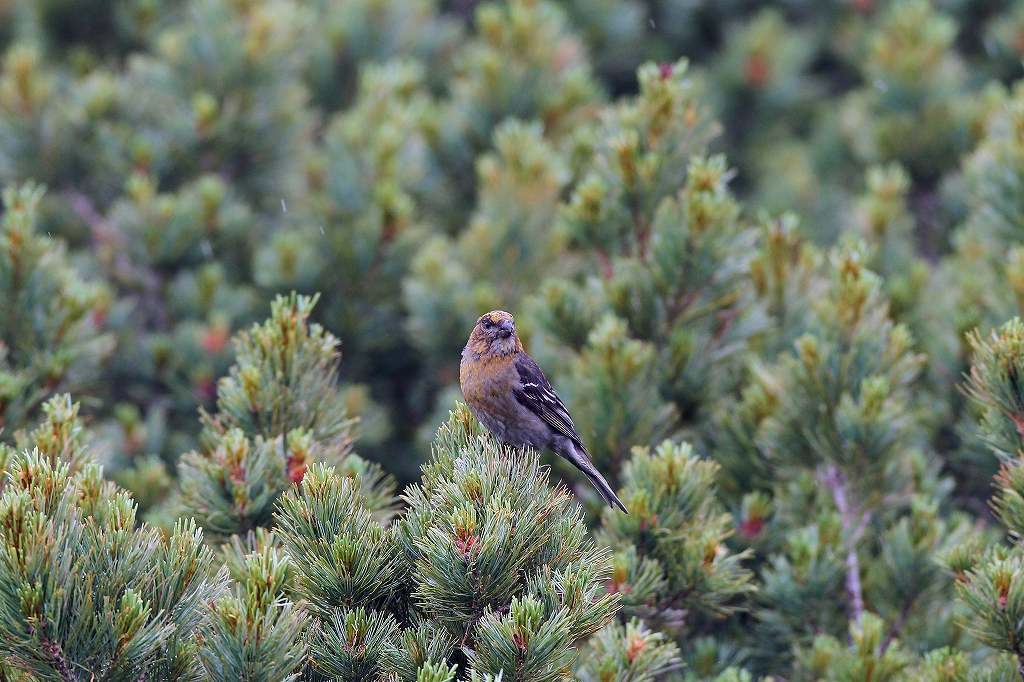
<point x="506" y="328"/>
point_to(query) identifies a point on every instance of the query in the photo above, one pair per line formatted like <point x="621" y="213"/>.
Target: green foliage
<point x="232" y="489"/>
<point x="665" y="254"/>
<point x="851" y="374"/>
<point x="205" y="155"/>
<point x="60" y="436"/>
<point x="351" y="645"/>
<point x="994" y="384"/>
<point x="755" y="246"/>
<point x="394" y="600"/>
<point x="255" y="633"/>
<point x="911" y="113"/>
<point x="283" y="380"/>
<point x="989" y="583"/>
<point x="525" y="62"/>
<point x="827" y="460"/>
<point x="343" y="557"/>
<point x="419" y="654"/>
<point x="279" y="409"/>
<point x="466" y="556"/>
<point x="870" y="657"/>
<point x="49" y="336"/>
<point x="630" y="652"/>
<point x="83" y="591"/>
<point x="676" y="523"/>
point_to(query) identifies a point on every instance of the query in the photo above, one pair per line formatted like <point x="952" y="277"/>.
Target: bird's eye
<point x="487" y="323"/>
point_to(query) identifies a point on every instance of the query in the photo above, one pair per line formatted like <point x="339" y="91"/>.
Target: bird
<point x="507" y="392"/>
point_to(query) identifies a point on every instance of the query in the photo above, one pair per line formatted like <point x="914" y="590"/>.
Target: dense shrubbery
<point x="772" y="257"/>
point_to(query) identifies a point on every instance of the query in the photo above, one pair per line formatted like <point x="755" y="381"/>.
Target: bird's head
<point x="494" y="334"/>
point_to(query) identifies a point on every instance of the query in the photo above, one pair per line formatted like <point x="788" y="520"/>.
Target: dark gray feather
<point x="536" y="394"/>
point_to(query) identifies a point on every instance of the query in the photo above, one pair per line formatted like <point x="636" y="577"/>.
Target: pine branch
<point x="60" y="662"/>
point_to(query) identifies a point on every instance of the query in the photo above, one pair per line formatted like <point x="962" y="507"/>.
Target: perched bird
<point x="509" y="394"/>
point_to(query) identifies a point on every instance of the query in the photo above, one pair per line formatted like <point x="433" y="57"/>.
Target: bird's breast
<point x="487" y="383"/>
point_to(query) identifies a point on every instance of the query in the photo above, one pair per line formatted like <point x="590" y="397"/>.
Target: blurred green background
<point x="419" y="162"/>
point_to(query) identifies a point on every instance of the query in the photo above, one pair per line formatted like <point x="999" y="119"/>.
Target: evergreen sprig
<point x="343" y="557"/>
<point x="256" y="633"/>
<point x="629" y="653"/>
<point x="991" y="585"/>
<point x="84" y="592"/>
<point x="487" y="572"/>
<point x="469" y="555"/>
<point x="285" y="378"/>
<point x="677" y="525"/>
<point x="279" y="410"/>
<point x="51" y="341"/>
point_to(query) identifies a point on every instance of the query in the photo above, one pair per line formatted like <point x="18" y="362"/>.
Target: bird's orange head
<point x="494" y="334"/>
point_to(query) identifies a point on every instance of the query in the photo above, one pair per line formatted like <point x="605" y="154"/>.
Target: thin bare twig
<point x="853" y="528"/>
<point x="899" y="623"/>
<point x="104" y="233"/>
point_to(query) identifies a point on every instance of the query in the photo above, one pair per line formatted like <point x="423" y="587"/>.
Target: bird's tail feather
<point x="579" y="458"/>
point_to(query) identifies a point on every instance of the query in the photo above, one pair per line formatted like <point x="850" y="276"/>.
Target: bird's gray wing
<point x="536" y="394"/>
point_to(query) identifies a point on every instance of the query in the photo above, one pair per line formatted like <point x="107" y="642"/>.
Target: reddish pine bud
<point x="1003" y="583"/>
<point x="635" y="647"/>
<point x="752" y="527"/>
<point x="758" y="70"/>
<point x="215" y="339"/>
<point x="296" y="469"/>
<point x="467" y="545"/>
<point x="99" y="317"/>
